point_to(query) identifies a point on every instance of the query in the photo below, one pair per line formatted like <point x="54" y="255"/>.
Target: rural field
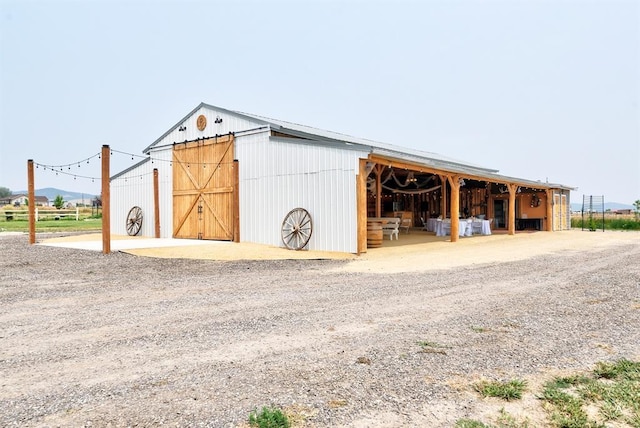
<point x="395" y="339"/>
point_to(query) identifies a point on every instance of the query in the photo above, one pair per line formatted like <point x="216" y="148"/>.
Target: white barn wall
<point x="135" y="187"/>
<point x="278" y="175"/>
<point x="230" y="123"/>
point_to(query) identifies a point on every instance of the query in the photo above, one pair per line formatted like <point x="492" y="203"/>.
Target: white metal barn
<point x="227" y="175"/>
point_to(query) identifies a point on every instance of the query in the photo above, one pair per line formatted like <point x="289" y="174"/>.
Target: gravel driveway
<point x="88" y="339"/>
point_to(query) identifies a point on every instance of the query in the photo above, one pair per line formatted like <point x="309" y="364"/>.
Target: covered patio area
<point x="418" y="195"/>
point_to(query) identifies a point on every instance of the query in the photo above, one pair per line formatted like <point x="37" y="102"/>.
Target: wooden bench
<point x="390" y="225"/>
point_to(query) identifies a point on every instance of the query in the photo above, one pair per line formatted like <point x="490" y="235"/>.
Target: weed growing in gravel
<point x="470" y="423"/>
<point x="505" y="420"/>
<point x="432" y="347"/>
<point x="613" y="389"/>
<point x="479" y="329"/>
<point x="426" y="343"/>
<point x="269" y="418"/>
<point x="505" y="390"/>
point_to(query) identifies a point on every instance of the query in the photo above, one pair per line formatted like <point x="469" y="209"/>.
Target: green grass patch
<point x="470" y="423"/>
<point x="511" y="390"/>
<point x="608" y="223"/>
<point x="269" y="417"/>
<point x="62" y="225"/>
<point x="613" y="388"/>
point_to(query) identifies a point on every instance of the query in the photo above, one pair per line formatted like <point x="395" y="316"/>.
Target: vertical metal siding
<point x="135" y="188"/>
<point x="277" y="176"/>
<point x="230" y="123"/>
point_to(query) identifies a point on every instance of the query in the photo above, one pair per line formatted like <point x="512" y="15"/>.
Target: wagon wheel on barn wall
<point x="296" y="229"/>
<point x="134" y="221"/>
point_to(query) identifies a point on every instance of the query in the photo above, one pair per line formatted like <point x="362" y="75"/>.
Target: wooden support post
<point x="443" y="192"/>
<point x="379" y="169"/>
<point x="156" y="203"/>
<point x="32" y="202"/>
<point x="513" y="188"/>
<point x="548" y="223"/>
<point x="236" y="201"/>
<point x="106" y="206"/>
<point x="454" y="182"/>
<point x="361" y="208"/>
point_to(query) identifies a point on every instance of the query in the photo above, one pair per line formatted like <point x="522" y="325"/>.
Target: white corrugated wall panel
<point x="230" y="123"/>
<point x="135" y="188"/>
<point x="278" y="176"/>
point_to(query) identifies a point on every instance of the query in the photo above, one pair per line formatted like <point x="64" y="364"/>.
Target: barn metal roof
<point x="428" y="159"/>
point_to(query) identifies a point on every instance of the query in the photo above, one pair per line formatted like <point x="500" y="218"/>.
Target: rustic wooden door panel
<point x="203" y="192"/>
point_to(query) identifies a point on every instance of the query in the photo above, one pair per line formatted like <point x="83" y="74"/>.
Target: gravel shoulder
<point x="120" y="340"/>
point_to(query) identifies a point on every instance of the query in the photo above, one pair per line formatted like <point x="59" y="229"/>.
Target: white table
<point x="466" y="227"/>
<point x="443" y="227"/>
<point x="431" y="224"/>
<point x="481" y="226"/>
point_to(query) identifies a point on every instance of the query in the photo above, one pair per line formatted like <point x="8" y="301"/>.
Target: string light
<point x="65" y="169"/>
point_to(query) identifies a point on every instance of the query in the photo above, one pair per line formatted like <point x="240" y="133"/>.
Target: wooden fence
<point x="41" y="214"/>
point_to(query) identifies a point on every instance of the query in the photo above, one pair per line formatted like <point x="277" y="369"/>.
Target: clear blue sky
<point x="543" y="90"/>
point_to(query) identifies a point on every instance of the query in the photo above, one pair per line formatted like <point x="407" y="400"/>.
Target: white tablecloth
<point x="443" y="227"/>
<point x="481" y="226"/>
<point x="431" y="224"/>
<point x="465" y="227"/>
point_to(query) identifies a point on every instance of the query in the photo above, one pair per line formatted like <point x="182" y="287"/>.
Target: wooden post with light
<point x="106" y="206"/>
<point x="32" y="202"/>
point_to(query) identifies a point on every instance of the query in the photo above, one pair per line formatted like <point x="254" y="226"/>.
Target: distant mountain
<point x="607" y="206"/>
<point x="51" y="194"/>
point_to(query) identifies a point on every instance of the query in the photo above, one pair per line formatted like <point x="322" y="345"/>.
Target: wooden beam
<point x="236" y="201"/>
<point x="156" y="203"/>
<point x="548" y="226"/>
<point x="443" y="193"/>
<point x="438" y="171"/>
<point x="513" y="188"/>
<point x="379" y="168"/>
<point x="32" y="202"/>
<point x="361" y="208"/>
<point x="454" y="182"/>
<point x="106" y="198"/>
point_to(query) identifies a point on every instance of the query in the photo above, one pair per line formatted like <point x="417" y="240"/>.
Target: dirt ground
<point x="194" y="337"/>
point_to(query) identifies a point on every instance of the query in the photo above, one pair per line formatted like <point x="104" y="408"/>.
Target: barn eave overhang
<point x="131" y="168"/>
<point x="464" y="171"/>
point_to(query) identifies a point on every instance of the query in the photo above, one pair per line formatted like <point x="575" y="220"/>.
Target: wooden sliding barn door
<point x="203" y="189"/>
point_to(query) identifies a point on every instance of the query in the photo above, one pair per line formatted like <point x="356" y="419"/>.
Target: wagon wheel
<point x="296" y="229"/>
<point x="134" y="221"/>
